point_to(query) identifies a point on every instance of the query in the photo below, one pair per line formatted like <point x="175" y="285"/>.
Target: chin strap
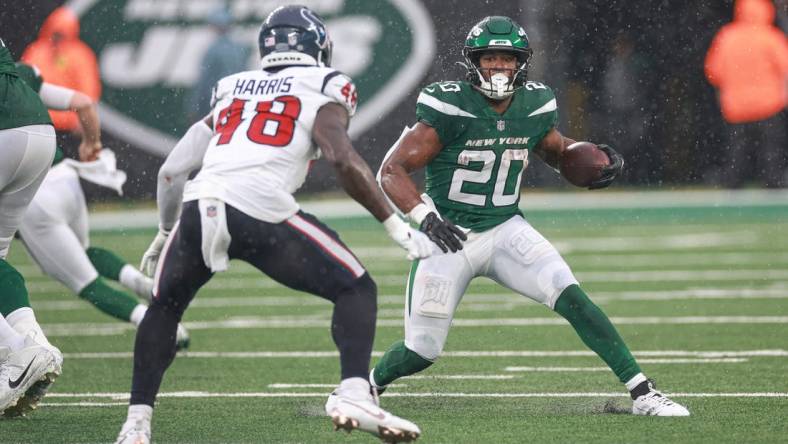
<point x="499" y="82"/>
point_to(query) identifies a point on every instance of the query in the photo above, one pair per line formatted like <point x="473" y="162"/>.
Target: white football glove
<point x="416" y="243"/>
<point x="151" y="256"/>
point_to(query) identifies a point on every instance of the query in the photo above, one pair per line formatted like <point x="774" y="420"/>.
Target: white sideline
<point x="450" y="354"/>
<point x="531" y="201"/>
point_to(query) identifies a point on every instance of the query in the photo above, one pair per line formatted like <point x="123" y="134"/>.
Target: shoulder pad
<point x="447" y="98"/>
<point x="341" y="89"/>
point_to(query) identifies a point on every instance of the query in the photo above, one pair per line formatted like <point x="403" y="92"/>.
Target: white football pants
<point x="513" y="254"/>
<point x="55" y="229"/>
<point x="25" y="156"/>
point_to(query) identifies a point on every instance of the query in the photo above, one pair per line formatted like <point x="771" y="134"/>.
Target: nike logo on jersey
<point x="15" y="384"/>
<point x="429" y="89"/>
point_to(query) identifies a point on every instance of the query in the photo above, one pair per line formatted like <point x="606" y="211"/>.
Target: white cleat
<point x="26" y="375"/>
<point x="351" y="406"/>
<point x="182" y="339"/>
<point x="136" y="432"/>
<point x="654" y="403"/>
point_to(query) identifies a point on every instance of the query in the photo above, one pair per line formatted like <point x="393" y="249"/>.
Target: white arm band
<point x="419" y="212"/>
<point x="394" y="226"/>
<point x="184" y="158"/>
<point x="55" y="97"/>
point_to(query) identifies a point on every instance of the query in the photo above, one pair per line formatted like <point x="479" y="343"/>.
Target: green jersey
<point x="32" y="76"/>
<point x="475" y="179"/>
<point x="19" y="104"/>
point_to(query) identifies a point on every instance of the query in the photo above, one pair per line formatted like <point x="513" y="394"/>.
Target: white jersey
<point x="262" y="145"/>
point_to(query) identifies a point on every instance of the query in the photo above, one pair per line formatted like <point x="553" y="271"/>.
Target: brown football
<point x="582" y="163"/>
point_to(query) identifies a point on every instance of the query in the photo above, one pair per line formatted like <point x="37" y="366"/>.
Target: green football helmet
<point x="497" y="33"/>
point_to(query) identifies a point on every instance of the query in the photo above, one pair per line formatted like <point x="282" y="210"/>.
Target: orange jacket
<point x="748" y="63"/>
<point x="65" y="61"/>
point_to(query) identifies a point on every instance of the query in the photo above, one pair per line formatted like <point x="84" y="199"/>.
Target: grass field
<point x="699" y="293"/>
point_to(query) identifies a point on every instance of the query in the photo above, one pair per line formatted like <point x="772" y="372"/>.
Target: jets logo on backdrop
<point x="149" y="53"/>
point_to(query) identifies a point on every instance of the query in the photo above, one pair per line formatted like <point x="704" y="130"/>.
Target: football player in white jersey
<point x="54" y="229"/>
<point x="258" y="142"/>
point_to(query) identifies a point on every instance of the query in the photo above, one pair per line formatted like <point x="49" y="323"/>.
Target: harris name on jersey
<point x="274" y="85"/>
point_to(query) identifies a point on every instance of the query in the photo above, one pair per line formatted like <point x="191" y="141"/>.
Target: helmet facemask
<point x="500" y="85"/>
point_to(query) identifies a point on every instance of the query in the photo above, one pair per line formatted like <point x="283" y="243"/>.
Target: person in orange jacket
<point x="748" y="64"/>
<point x="65" y="60"/>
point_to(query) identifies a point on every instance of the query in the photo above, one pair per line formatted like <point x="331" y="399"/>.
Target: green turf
<point x="630" y="261"/>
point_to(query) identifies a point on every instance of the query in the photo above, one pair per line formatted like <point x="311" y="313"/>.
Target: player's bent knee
<point x="553" y="278"/>
<point x="425" y="345"/>
<point x="366" y="285"/>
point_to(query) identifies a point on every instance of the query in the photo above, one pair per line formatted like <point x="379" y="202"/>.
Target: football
<point x="582" y="163"/>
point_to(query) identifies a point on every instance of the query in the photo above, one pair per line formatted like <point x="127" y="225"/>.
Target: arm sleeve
<point x="184" y="158"/>
<point x="56" y="97"/>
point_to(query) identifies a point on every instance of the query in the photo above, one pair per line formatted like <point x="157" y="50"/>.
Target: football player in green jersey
<point x="28" y="362"/>
<point x="474" y="138"/>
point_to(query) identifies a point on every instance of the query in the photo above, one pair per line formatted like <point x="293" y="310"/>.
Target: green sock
<point x="107" y="263"/>
<point x="12" y="286"/>
<point x="112" y="302"/>
<point x="398" y="361"/>
<point x="596" y="331"/>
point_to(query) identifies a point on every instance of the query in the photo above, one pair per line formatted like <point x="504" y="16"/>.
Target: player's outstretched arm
<point x="415" y="150"/>
<point x="62" y="98"/>
<point x="184" y="158"/>
<point x="330" y="134"/>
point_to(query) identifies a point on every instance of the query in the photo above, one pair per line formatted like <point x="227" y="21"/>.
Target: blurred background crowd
<point x="648" y="77"/>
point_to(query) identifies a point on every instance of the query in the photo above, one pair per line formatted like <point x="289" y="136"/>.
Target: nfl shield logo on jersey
<point x="501" y="125"/>
<point x="211" y="211"/>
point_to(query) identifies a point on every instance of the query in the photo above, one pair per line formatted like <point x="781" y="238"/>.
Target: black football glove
<point x="610" y="172"/>
<point x="444" y="233"/>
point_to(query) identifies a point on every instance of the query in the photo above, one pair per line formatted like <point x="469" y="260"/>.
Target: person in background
<point x="225" y="56"/>
<point x="67" y="61"/>
<point x="748" y="64"/>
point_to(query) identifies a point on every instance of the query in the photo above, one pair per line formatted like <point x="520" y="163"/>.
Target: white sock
<point x="138" y="313"/>
<point x="135" y="281"/>
<point x="9" y="337"/>
<point x="139" y="412"/>
<point x="637" y="379"/>
<point x="356" y="386"/>
<point x="23" y="320"/>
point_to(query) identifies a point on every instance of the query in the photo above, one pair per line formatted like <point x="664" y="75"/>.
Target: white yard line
<point x="322" y="395"/>
<point x="243" y="281"/>
<point x="451" y="354"/>
<point x="323" y="321"/>
<point x="471" y="301"/>
<point x="640" y="361"/>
